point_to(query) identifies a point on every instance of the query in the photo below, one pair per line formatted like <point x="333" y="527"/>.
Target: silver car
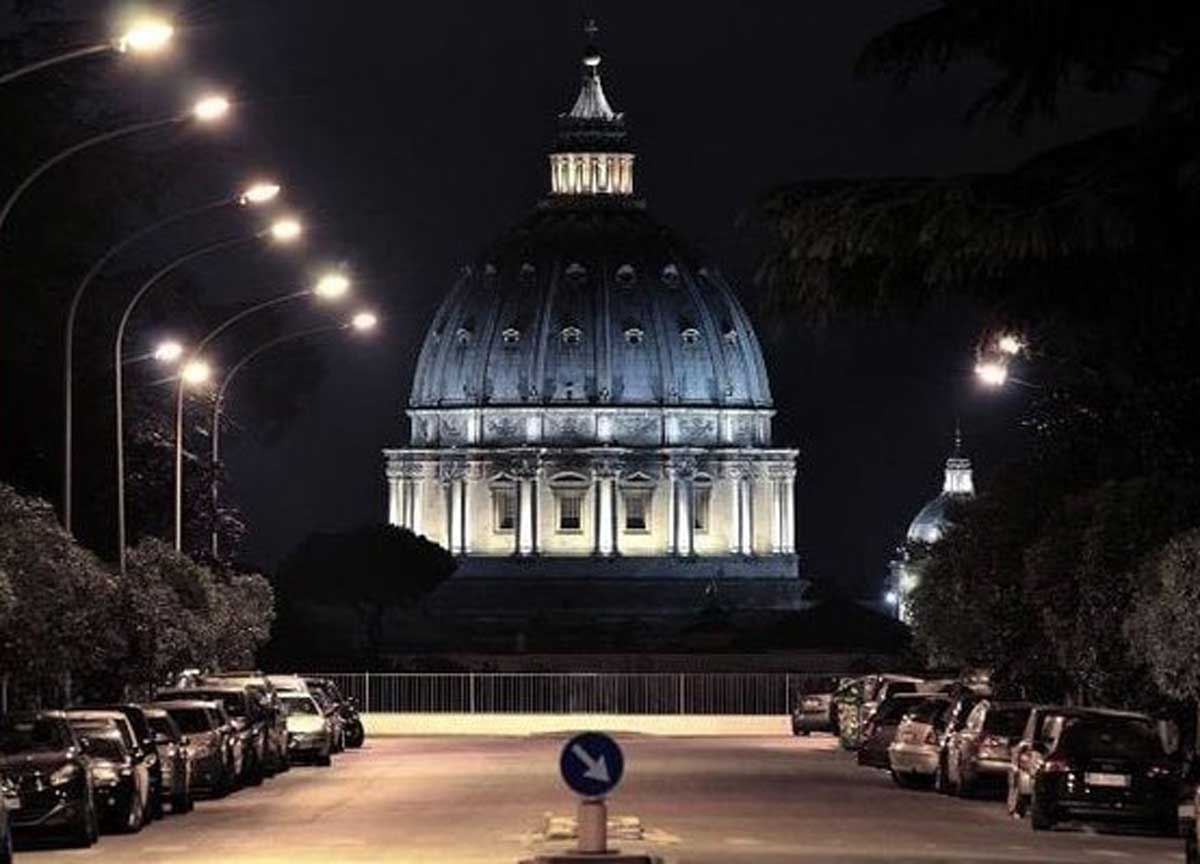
<point x="915" y="754"/>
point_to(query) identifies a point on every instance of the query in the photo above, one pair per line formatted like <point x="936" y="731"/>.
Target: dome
<point x="589" y="301"/>
<point x="932" y="521"/>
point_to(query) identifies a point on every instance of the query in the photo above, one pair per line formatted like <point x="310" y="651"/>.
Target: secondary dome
<point x="932" y="521"/>
<point x="589" y="300"/>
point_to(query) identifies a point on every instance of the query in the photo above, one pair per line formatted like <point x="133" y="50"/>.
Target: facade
<point x="589" y="390"/>
<point x="930" y="524"/>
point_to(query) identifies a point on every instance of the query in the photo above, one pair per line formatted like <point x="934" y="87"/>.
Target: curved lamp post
<point x="206" y="110"/>
<point x="258" y="193"/>
<point x="149" y="36"/>
<point x="331" y="287"/>
<point x="280" y="231"/>
<point x="361" y="322"/>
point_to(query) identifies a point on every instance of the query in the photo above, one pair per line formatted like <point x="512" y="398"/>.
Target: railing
<point x="579" y="692"/>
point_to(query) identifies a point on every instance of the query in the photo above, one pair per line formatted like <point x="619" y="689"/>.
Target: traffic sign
<point x="591" y="764"/>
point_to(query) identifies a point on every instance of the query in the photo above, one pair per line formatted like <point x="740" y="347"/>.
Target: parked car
<point x="47" y="775"/>
<point x="1105" y="766"/>
<point x="962" y="700"/>
<point x="915" y="753"/>
<point x="248" y="721"/>
<point x="8" y="798"/>
<point x="979" y="754"/>
<point x="175" y="756"/>
<point x="276" y="758"/>
<point x="310" y="733"/>
<point x="126" y="813"/>
<point x="209" y="745"/>
<point x="146" y="744"/>
<point x="879" y="730"/>
<point x="1191" y="845"/>
<point x="124" y="805"/>
<point x="291" y="683"/>
<point x="857" y="699"/>
<point x="329" y="709"/>
<point x="352" y="725"/>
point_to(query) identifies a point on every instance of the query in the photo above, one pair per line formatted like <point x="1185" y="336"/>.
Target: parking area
<point x="499" y="799"/>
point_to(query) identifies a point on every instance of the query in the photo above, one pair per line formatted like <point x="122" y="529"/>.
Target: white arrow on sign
<point x="597" y="768"/>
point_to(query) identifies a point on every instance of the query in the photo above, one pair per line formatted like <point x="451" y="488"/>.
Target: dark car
<point x="879" y="730"/>
<point x="209" y="745"/>
<point x="146" y="748"/>
<point x="980" y="753"/>
<point x="114" y="779"/>
<point x="352" y="725"/>
<point x="174" y="754"/>
<point x="127" y="815"/>
<point x="249" y="721"/>
<point x="1106" y="767"/>
<point x="48" y="785"/>
<point x="276" y="755"/>
<point x="8" y="798"/>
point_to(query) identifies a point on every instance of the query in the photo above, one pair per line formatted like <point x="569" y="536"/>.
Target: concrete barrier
<point x="537" y="724"/>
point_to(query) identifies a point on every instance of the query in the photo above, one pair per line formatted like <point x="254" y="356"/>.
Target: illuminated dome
<point x="932" y="521"/>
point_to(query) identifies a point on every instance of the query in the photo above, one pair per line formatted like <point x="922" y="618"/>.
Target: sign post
<point x="591" y="765"/>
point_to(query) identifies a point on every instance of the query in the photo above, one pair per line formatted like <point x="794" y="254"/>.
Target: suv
<point x="148" y="745"/>
<point x="248" y="717"/>
<point x="981" y="751"/>
<point x="352" y="726"/>
<point x="48" y="784"/>
<point x="276" y="753"/>
<point x="174" y="757"/>
<point x="129" y="812"/>
<point x="209" y="745"/>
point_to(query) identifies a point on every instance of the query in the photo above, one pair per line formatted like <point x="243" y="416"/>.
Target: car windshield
<point x="300" y="705"/>
<point x="102" y="746"/>
<point x="162" y="726"/>
<point x="1007" y="722"/>
<point x="892" y="710"/>
<point x="191" y="720"/>
<point x="233" y="702"/>
<point x="1105" y="738"/>
<point x="894" y="687"/>
<point x="32" y="736"/>
<point x="929" y="711"/>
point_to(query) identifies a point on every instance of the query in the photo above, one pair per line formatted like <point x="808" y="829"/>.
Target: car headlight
<point x="104" y="773"/>
<point x="63" y="775"/>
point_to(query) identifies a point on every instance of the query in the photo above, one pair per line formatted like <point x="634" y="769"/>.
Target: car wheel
<point x="254" y="773"/>
<point x="941" y="780"/>
<point x="1015" y="802"/>
<point x="1039" y="815"/>
<point x="965" y="788"/>
<point x="6" y="850"/>
<point x="324" y="760"/>
<point x="222" y="787"/>
<point x="87" y="832"/>
<point x="181" y="802"/>
<point x="135" y="815"/>
<point x="1168" y="823"/>
<point x="904" y="781"/>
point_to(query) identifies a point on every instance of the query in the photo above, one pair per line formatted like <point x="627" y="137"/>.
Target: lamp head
<point x="364" y="321"/>
<point x="168" y="351"/>
<point x="261" y="192"/>
<point x="286" y="230"/>
<point x="332" y="286"/>
<point x="145" y="36"/>
<point x="195" y="372"/>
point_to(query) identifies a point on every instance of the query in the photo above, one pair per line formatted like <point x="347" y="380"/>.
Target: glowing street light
<point x="992" y="373"/>
<point x="147" y="36"/>
<point x="364" y="321"/>
<point x="195" y="372"/>
<point x="262" y="192"/>
<point x="210" y="108"/>
<point x="286" y="230"/>
<point x="168" y="352"/>
<point x="891" y="598"/>
<point x="1010" y="344"/>
<point x="332" y="286"/>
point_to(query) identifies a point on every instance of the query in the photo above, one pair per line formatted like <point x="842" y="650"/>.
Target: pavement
<point x="699" y="800"/>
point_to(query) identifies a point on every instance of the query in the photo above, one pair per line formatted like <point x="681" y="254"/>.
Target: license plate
<point x="1119" y="781"/>
<point x="12" y="803"/>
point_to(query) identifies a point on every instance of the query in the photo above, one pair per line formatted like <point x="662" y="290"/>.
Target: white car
<point x="309" y="732"/>
<point x="287" y="684"/>
<point x="915" y="753"/>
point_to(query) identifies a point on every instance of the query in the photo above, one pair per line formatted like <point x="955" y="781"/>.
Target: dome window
<point x="625" y="274"/>
<point x="463" y="336"/>
<point x="634" y="335"/>
<point x="511" y="336"/>
<point x="576" y="271"/>
<point x="670" y="274"/>
<point x="730" y="336"/>
<point x="690" y="335"/>
<point x="571" y="335"/>
<point x="527" y="273"/>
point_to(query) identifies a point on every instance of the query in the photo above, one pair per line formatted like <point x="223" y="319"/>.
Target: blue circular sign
<point x="591" y="764"/>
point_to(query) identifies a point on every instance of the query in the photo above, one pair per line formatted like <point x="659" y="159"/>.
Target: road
<point x="691" y="800"/>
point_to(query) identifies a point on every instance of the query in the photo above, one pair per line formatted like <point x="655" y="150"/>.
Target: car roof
<point x="168" y="704"/>
<point x="206" y="688"/>
<point x="95" y="714"/>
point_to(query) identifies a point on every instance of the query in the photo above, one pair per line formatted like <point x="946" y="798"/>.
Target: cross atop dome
<point x="590" y="155"/>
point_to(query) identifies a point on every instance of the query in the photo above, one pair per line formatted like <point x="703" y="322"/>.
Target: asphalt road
<point x="467" y="800"/>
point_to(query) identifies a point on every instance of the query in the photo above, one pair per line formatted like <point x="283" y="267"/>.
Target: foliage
<point x="369" y="569"/>
<point x="1164" y="627"/>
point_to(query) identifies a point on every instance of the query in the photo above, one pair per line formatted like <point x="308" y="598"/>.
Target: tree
<point x="368" y="569"/>
<point x="1163" y="627"/>
<point x="60" y="626"/>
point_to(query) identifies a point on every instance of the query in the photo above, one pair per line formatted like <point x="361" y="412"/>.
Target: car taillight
<point x="1160" y="770"/>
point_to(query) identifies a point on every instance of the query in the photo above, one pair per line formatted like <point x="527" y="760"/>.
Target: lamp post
<point x="149" y="36"/>
<point x="361" y="322"/>
<point x="331" y="287"/>
<point x="118" y="353"/>
<point x="208" y="109"/>
<point x="257" y="193"/>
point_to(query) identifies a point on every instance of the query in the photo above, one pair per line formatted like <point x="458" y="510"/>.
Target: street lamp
<point x="344" y="285"/>
<point x="147" y="36"/>
<point x="356" y="324"/>
<point x="168" y="352"/>
<point x="992" y="373"/>
<point x="257" y="193"/>
<point x="194" y="373"/>
<point x="205" y="111"/>
<point x="286" y="229"/>
<point x="118" y="353"/>
<point x="1010" y="344"/>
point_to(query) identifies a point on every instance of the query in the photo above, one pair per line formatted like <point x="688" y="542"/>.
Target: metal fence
<point x="579" y="692"/>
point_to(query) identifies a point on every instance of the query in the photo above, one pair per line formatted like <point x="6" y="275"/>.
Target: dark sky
<point x="411" y="133"/>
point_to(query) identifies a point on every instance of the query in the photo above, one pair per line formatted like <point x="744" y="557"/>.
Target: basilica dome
<point x="590" y="301"/>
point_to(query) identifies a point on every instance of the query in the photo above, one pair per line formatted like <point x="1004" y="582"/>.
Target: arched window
<point x="511" y="336"/>
<point x="635" y="335"/>
<point x="571" y="335"/>
<point x="689" y="335"/>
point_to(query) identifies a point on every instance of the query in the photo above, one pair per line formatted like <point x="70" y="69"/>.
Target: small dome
<point x="931" y="522"/>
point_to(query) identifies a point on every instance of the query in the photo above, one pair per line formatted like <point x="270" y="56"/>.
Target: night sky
<point x="410" y="134"/>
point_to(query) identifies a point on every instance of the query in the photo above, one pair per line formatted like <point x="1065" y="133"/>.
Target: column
<point x="416" y="485"/>
<point x="464" y="517"/>
<point x="518" y="521"/>
<point x="535" y="512"/>
<point x="595" y="512"/>
<point x="525" y="510"/>
<point x="776" y="516"/>
<point x="735" y="515"/>
<point x="396" y="502"/>
<point x="605" y="515"/>
<point x="745" y="523"/>
<point x="683" y="522"/>
<point x="448" y="495"/>
<point x="616" y="516"/>
<point x="672" y="546"/>
<point x="789" y="519"/>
